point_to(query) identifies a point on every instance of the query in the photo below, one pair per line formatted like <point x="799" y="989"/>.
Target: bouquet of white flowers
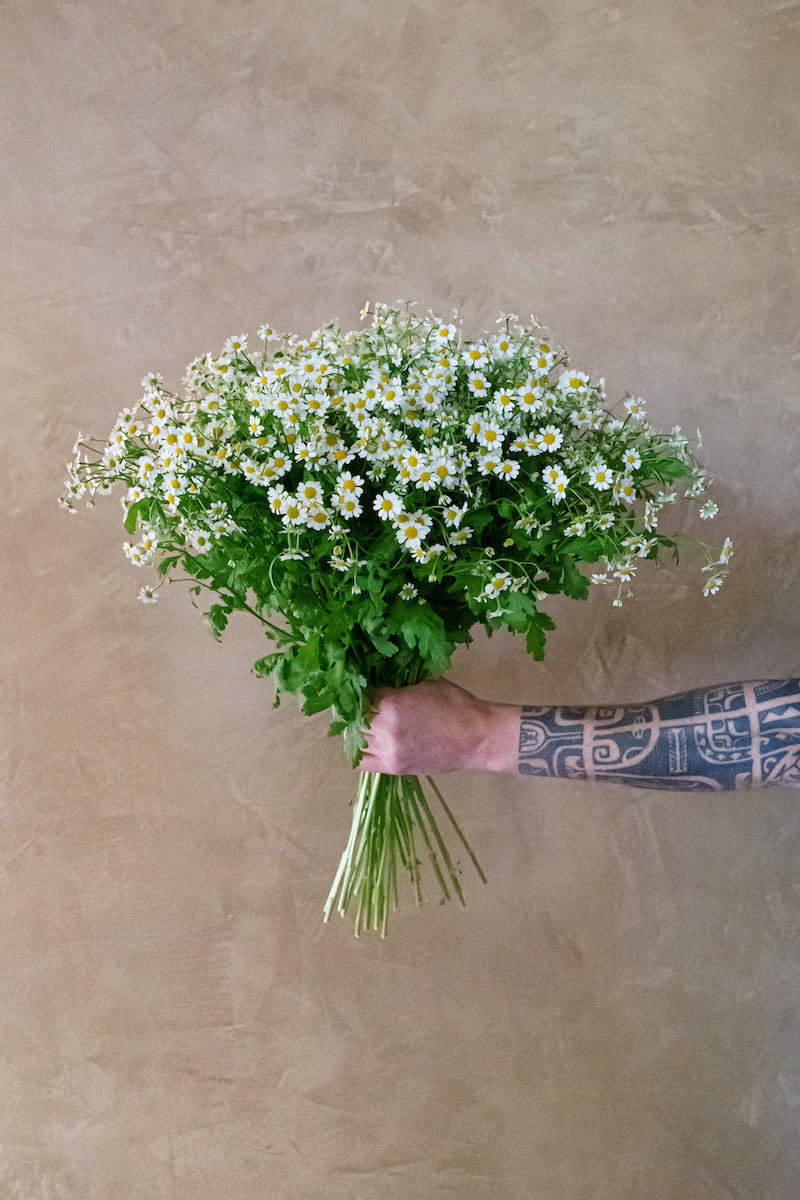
<point x="378" y="494"/>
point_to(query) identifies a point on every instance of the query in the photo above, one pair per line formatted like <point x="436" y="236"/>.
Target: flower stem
<point x="389" y="813"/>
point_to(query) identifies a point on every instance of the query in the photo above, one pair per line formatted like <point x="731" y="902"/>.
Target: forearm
<point x="734" y="735"/>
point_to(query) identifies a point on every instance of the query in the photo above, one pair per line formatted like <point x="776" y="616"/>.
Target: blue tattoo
<point x="734" y="735"/>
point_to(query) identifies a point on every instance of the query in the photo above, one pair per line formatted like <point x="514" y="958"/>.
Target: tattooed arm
<point x="734" y="735"/>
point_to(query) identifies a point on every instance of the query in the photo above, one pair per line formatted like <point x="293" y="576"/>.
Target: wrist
<point x="497" y="749"/>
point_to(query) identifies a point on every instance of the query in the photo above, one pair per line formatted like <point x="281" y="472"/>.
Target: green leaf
<point x="536" y="636"/>
<point x="424" y="630"/>
<point x="266" y="665"/>
<point x="354" y="741"/>
<point x="218" y="615"/>
<point x="132" y="516"/>
<point x="317" y="703"/>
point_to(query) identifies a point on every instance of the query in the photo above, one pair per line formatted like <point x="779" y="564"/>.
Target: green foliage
<point x="264" y="483"/>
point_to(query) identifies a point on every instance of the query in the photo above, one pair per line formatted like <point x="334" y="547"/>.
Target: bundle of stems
<point x="393" y="827"/>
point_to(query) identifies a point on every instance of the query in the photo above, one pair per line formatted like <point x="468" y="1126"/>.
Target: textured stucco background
<point x="616" y="1016"/>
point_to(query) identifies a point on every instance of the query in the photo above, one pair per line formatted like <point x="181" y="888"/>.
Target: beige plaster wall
<point x="615" y="1016"/>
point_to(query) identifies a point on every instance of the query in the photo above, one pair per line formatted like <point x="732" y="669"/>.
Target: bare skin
<point x="719" y="738"/>
<point x="435" y="727"/>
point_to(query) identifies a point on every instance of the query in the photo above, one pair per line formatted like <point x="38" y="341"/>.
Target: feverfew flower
<point x="387" y="504"/>
<point x="478" y="384"/>
<point x="600" y="477"/>
<point x="550" y="438"/>
<point x="635" y="407"/>
<point x="727" y="551"/>
<point x="411" y="529"/>
<point x="555" y="481"/>
<point x="454" y="514"/>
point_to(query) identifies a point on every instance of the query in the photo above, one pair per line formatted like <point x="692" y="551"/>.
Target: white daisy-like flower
<point x="276" y="495"/>
<point x="533" y="445"/>
<point x="475" y="356"/>
<point x="146" y="469"/>
<point x="631" y="459"/>
<point x="223" y="365"/>
<point x="504" y="401"/>
<point x="550" y="438"/>
<point x="347" y="505"/>
<point x="443" y="378"/>
<point x="276" y="465"/>
<point x="491" y="436"/>
<point x="152" y="383"/>
<point x="556" y="482"/>
<point x="727" y="551"/>
<point x="474" y="427"/>
<point x="624" y="490"/>
<point x="604" y="521"/>
<point x="235" y="345"/>
<point x="576" y="529"/>
<point x="600" y="477"/>
<point x="502" y="347"/>
<point x="497" y="584"/>
<point x="200" y="540"/>
<point x="351" y="485"/>
<point x="317" y="517"/>
<point x="573" y="382"/>
<point x="147" y="595"/>
<point x="249" y="468"/>
<point x="460" y="536"/>
<point x="581" y="418"/>
<point x="425" y="477"/>
<point x="543" y="357"/>
<point x="149" y="542"/>
<point x="444" y="468"/>
<point x="408" y="592"/>
<point x="635" y="407"/>
<point x="410" y="460"/>
<point x="392" y="396"/>
<point x="293" y="511"/>
<point x="443" y="334"/>
<point x="712" y="585"/>
<point x="530" y="396"/>
<point x="454" y="515"/>
<point x="310" y="492"/>
<point x="698" y="486"/>
<point x="411" y="532"/>
<point x="135" y="554"/>
<point x="478" y="383"/>
<point x="489" y="463"/>
<point x="600" y="577"/>
<point x="388" y="504"/>
<point x="708" y="510"/>
<point x="509" y="468"/>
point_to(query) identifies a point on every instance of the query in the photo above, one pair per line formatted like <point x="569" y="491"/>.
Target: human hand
<point x="436" y="726"/>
